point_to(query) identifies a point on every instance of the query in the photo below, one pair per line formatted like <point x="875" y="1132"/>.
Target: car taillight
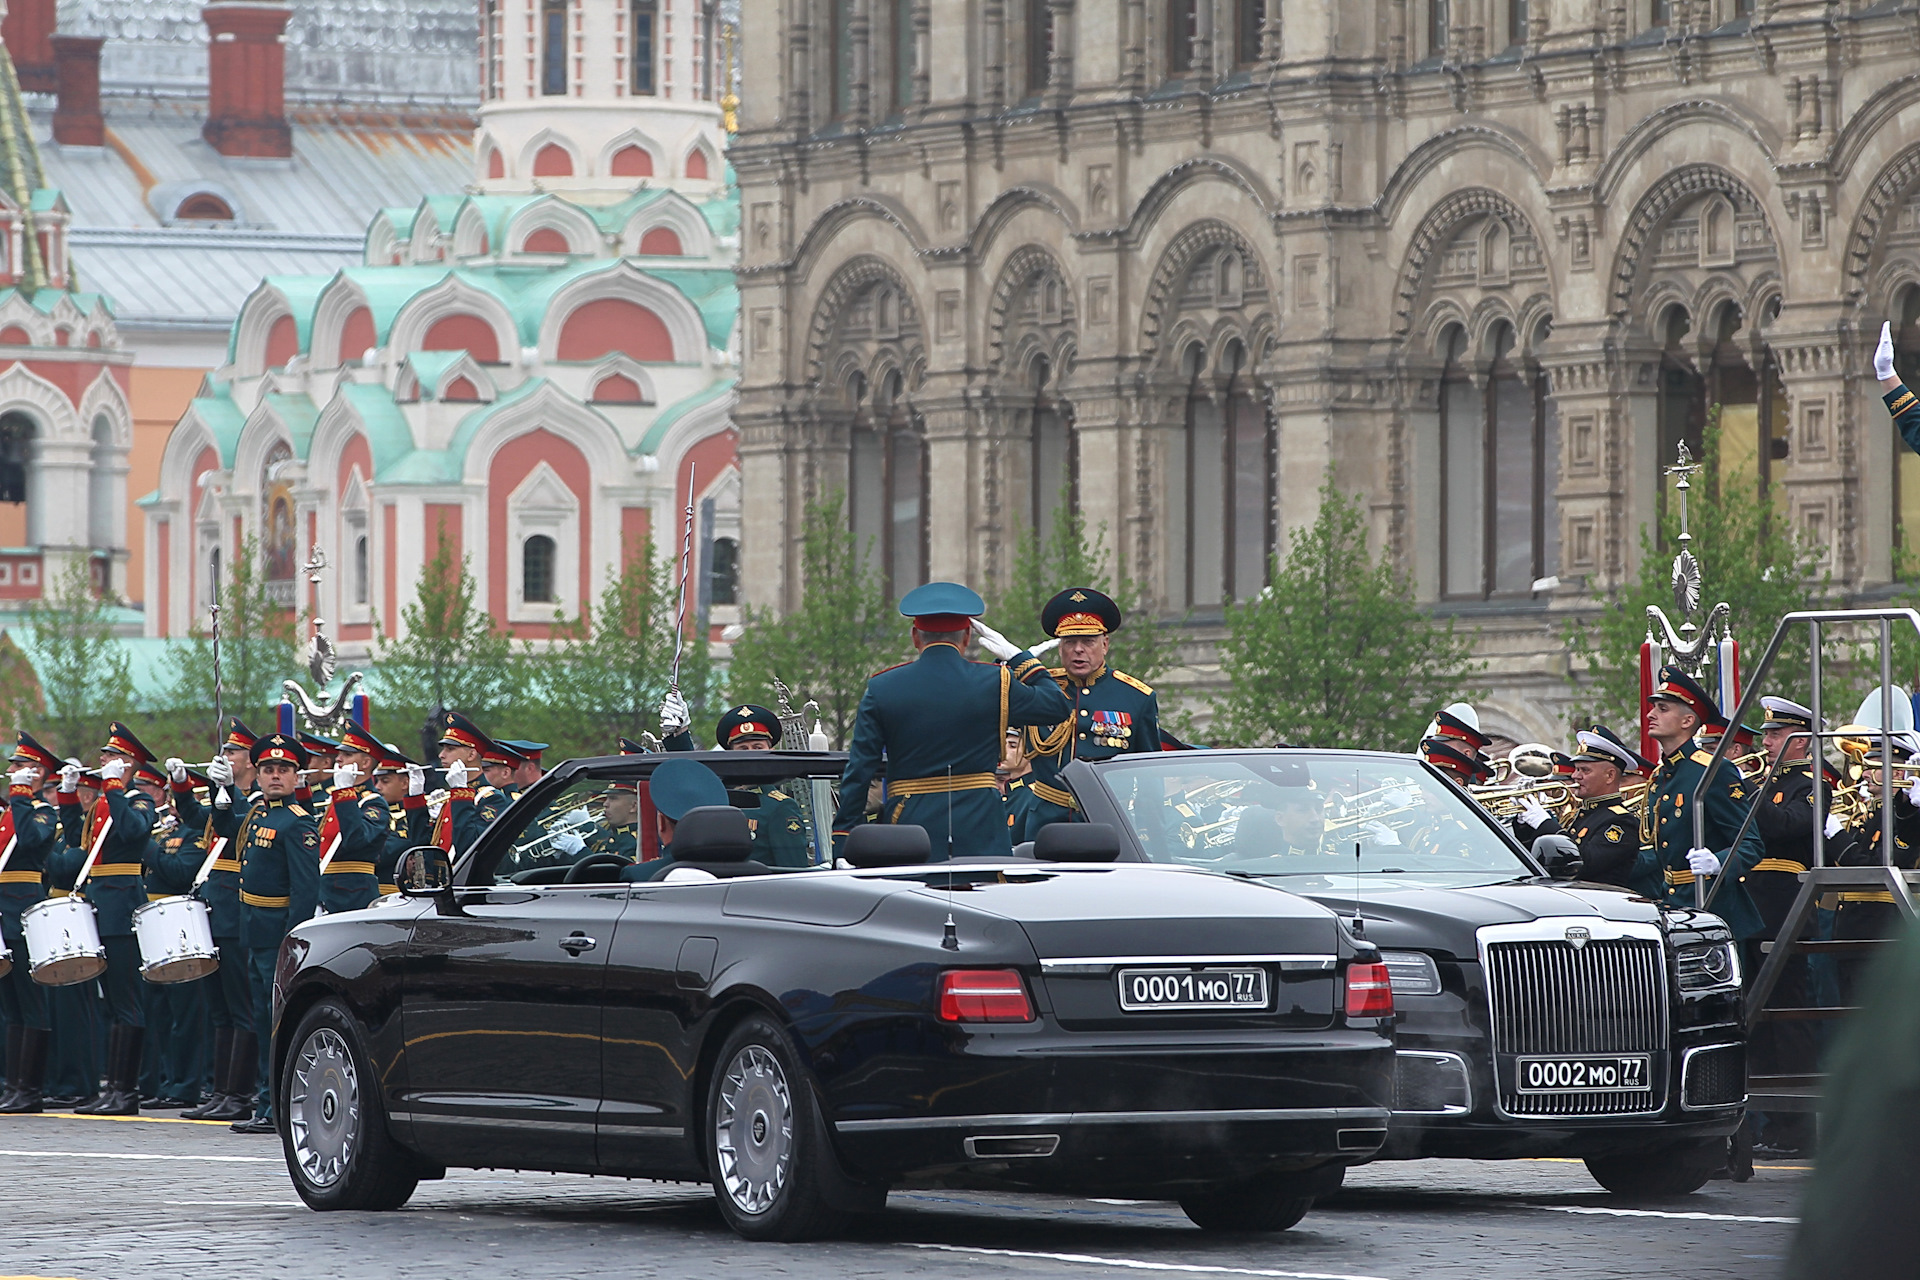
<point x="1369" y="991"/>
<point x="985" y="995"/>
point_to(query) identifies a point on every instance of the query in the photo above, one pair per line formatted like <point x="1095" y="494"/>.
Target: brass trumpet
<point x="1507" y="802"/>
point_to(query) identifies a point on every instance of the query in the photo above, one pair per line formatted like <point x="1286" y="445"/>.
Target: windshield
<point x="1304" y="813"/>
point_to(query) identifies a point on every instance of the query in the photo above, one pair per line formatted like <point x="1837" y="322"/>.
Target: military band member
<point x="171" y="1075"/>
<point x="1016" y="777"/>
<point x="279" y="846"/>
<point x="1676" y="709"/>
<point x="321" y="752"/>
<point x="354" y="833"/>
<point x="1457" y="760"/>
<point x="1901" y="403"/>
<point x="935" y="726"/>
<point x="527" y="767"/>
<point x="29" y="832"/>
<point x="471" y="805"/>
<point x="227" y="990"/>
<point x="402" y="783"/>
<point x="499" y="764"/>
<point x="1871" y="913"/>
<point x="1109" y="712"/>
<point x="618" y="829"/>
<point x="1605" y="827"/>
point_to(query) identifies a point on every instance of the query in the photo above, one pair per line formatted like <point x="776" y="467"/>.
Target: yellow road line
<point x="68" y="1115"/>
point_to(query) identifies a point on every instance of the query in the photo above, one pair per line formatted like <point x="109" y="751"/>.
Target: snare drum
<point x="176" y="940"/>
<point x="6" y="959"/>
<point x="63" y="942"/>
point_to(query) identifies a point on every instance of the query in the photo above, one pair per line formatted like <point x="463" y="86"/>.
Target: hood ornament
<point x="1578" y="937"/>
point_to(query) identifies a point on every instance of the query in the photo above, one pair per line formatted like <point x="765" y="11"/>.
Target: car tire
<point x="1658" y="1175"/>
<point x="333" y="1128"/>
<point x="766" y="1144"/>
<point x="1260" y="1204"/>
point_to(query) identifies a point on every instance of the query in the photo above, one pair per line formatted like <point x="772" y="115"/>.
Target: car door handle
<point x="579" y="942"/>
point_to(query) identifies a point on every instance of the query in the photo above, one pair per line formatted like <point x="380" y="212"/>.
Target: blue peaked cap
<point x="937" y="598"/>
<point x="679" y="785"/>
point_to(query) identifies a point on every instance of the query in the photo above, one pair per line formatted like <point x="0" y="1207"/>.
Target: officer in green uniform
<point x="353" y="835"/>
<point x="675" y="787"/>
<point x="176" y="1014"/>
<point x="1605" y="828"/>
<point x="471" y="803"/>
<point x="279" y="846"/>
<point x="402" y="783"/>
<point x="1016" y="780"/>
<point x="1676" y="709"/>
<point x="1109" y="713"/>
<point x="105" y="853"/>
<point x="73" y="1071"/>
<point x="1901" y="403"/>
<point x="936" y="725"/>
<point x="29" y="832"/>
<point x="779" y="823"/>
<point x="228" y="991"/>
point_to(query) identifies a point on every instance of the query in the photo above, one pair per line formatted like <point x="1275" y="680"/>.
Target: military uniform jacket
<point x="779" y="823"/>
<point x="467" y="812"/>
<point x="1019" y="802"/>
<point x="622" y="842"/>
<point x="1111" y="714"/>
<point x="1662" y="872"/>
<point x="173" y="860"/>
<point x="33" y="829"/>
<point x="1905" y="408"/>
<point x="940" y="723"/>
<point x="114" y="885"/>
<point x="357" y="818"/>
<point x="221" y="891"/>
<point x="1608" y="833"/>
<point x="409" y="825"/>
<point x="279" y="847"/>
<point x="1862" y="848"/>
<point x="1784" y="816"/>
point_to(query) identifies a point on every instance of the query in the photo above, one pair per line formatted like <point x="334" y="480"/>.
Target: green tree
<point x="1751" y="557"/>
<point x="845" y="629"/>
<point x="602" y="676"/>
<point x="1071" y="554"/>
<point x="259" y="649"/>
<point x="452" y="655"/>
<point x="1336" y="653"/>
<point x="85" y="678"/>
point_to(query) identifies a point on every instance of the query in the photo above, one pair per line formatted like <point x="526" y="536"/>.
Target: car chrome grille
<point x="1550" y="997"/>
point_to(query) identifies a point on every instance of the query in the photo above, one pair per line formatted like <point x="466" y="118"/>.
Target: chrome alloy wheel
<point x="753" y="1129"/>
<point x="323" y="1115"/>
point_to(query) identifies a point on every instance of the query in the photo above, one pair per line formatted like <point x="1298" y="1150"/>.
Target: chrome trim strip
<point x="1686" y="1060"/>
<point x="1099" y="966"/>
<point x="1466" y="1077"/>
<point x="1052" y="1119"/>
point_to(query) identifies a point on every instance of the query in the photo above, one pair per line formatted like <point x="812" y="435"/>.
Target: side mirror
<point x="424" y="871"/>
<point x="1559" y="855"/>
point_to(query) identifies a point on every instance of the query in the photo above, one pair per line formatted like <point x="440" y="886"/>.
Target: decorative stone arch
<point x="1010" y="204"/>
<point x="1426" y="158"/>
<point x="98" y="329"/>
<point x="472" y="236"/>
<point x="622" y="281"/>
<point x="427" y="243"/>
<point x="17" y="312"/>
<point x="546" y="406"/>
<point x="676" y="213"/>
<point x="1435" y="231"/>
<point x="180" y="458"/>
<point x="701" y="163"/>
<point x="104" y="400"/>
<point x="1642" y="139"/>
<point x="464" y="368"/>
<point x="647" y="145"/>
<point x="1441" y="314"/>
<point x="332" y="313"/>
<point x="549" y="213"/>
<point x="24" y="391"/>
<point x="1879" y="208"/>
<point x="385" y="246"/>
<point x="1025" y="266"/>
<point x="825" y="235"/>
<point x="620" y="365"/>
<point x="451" y="297"/>
<point x="530" y="155"/>
<point x="338" y="423"/>
<point x="709" y="419"/>
<point x="1166" y="190"/>
<point x="258" y="440"/>
<point x="253" y="331"/>
<point x="1176" y="264"/>
<point x="1660" y="201"/>
<point x="848" y="285"/>
<point x="490" y="159"/>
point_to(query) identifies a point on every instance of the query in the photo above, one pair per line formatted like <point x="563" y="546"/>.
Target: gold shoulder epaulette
<point x="1701" y="757"/>
<point x="1058" y="673"/>
<point x="296" y="810"/>
<point x="1141" y="685"/>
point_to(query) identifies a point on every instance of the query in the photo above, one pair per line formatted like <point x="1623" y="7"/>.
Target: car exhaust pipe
<point x="1014" y="1146"/>
<point x="1361" y="1139"/>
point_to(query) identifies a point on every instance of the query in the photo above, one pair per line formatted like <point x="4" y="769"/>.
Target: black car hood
<point x="1443" y="921"/>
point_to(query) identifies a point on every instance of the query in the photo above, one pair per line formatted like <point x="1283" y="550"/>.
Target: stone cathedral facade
<point x="1487" y="262"/>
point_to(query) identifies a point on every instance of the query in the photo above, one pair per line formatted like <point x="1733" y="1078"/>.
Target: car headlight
<point x="1710" y="966"/>
<point x="1413" y="973"/>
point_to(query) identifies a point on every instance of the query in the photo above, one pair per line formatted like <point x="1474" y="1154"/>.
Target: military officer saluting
<point x="779" y="824"/>
<point x="1605" y="827"/>
<point x="937" y="724"/>
<point x="1110" y="712"/>
<point x="403" y="785"/>
<point x="279" y="846"/>
<point x="353" y="836"/>
<point x="29" y="832"/>
<point x="1901" y="403"/>
<point x="471" y="805"/>
<point x="1676" y="709"/>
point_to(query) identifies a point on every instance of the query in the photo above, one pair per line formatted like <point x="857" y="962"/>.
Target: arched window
<point x="544" y="240"/>
<point x="463" y="332"/>
<point x="360" y="570"/>
<point x="16" y="448"/>
<point x="660" y="242"/>
<point x="646" y="20"/>
<point x="1202" y="481"/>
<point x="889" y="482"/>
<point x="536" y="569"/>
<point x="724" y="571"/>
<point x="1499" y="442"/>
<point x="553" y="47"/>
<point x="1039" y="46"/>
<point x="603" y="325"/>
<point x="1052" y="455"/>
<point x="1250" y="31"/>
<point x="1439" y="19"/>
<point x="697" y="165"/>
<point x="1183" y="32"/>
<point x="1249" y="480"/>
<point x="553" y="161"/>
<point x="631" y="162"/>
<point x="204" y="206"/>
<point x="496" y="164"/>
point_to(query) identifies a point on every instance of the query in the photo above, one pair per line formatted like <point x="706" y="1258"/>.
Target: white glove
<point x="1534" y="814"/>
<point x="22" y="777"/>
<point x="345" y="775"/>
<point x="220" y="771"/>
<point x="176" y="769"/>
<point x="1834" y="825"/>
<point x="1913" y="793"/>
<point x="674" y="715"/>
<point x="69" y="779"/>
<point x="113" y="770"/>
<point x="1400" y="798"/>
<point x="1883" y="354"/>
<point x="569" y="843"/>
<point x="1704" y="862"/>
<point x="1045" y="647"/>
<point x="1382" y="834"/>
<point x="575" y="818"/>
<point x="416" y="780"/>
<point x="457" y="774"/>
<point x="993" y="642"/>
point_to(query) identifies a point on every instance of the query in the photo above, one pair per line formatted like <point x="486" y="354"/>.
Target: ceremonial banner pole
<point x="686" y="563"/>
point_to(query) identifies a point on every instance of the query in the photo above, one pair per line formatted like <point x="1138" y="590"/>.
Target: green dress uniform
<point x="937" y="725"/>
<point x="469" y="809"/>
<point x="356" y="829"/>
<point x="1019" y="800"/>
<point x="1861" y="914"/>
<point x="408" y="826"/>
<point x="1661" y="872"/>
<point x="73" y="1068"/>
<point x="29" y="831"/>
<point x="779" y="822"/>
<point x="176" y="1011"/>
<point x="228" y="991"/>
<point x="1607" y="830"/>
<point x="622" y="841"/>
<point x="1905" y="408"/>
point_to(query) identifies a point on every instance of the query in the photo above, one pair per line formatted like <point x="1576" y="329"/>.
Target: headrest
<point x="712" y="833"/>
<point x="885" y="844"/>
<point x="1076" y="842"/>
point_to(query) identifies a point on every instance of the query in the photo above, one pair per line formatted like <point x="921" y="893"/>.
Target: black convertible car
<point x="1535" y="1017"/>
<point x="806" y="1038"/>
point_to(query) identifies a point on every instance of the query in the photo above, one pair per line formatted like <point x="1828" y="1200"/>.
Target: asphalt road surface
<point x="104" y="1199"/>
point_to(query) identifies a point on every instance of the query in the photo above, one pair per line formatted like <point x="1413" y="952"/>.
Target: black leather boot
<point x="122" y="1097"/>
<point x="94" y="1106"/>
<point x="222" y="1068"/>
<point x="30" y="1071"/>
<point x="13" y="1066"/>
<point x="242" y="1067"/>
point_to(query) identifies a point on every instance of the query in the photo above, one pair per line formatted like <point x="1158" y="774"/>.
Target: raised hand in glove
<point x="176" y="769"/>
<point x="69" y="778"/>
<point x="674" y="715"/>
<point x="993" y="642"/>
<point x="416" y="780"/>
<point x="1883" y="355"/>
<point x="220" y="772"/>
<point x="1913" y="793"/>
<point x="22" y="777"/>
<point x="569" y="843"/>
<point x="1534" y="814"/>
<point x="1045" y="647"/>
<point x="1382" y="834"/>
<point x="457" y="774"/>
<point x="1835" y="825"/>
<point x="113" y="770"/>
<point x="345" y="775"/>
<point x="1704" y="862"/>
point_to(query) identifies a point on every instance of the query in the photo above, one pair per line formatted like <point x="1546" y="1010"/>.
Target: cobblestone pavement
<point x="101" y="1199"/>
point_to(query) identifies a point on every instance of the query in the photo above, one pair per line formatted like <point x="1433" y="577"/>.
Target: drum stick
<point x="333" y="847"/>
<point x="6" y="854"/>
<point x="99" y="843"/>
<point x="206" y="866"/>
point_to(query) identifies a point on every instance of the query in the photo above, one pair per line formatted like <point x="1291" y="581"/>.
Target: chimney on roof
<point x="27" y="31"/>
<point x="76" y="115"/>
<point x="247" y="79"/>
